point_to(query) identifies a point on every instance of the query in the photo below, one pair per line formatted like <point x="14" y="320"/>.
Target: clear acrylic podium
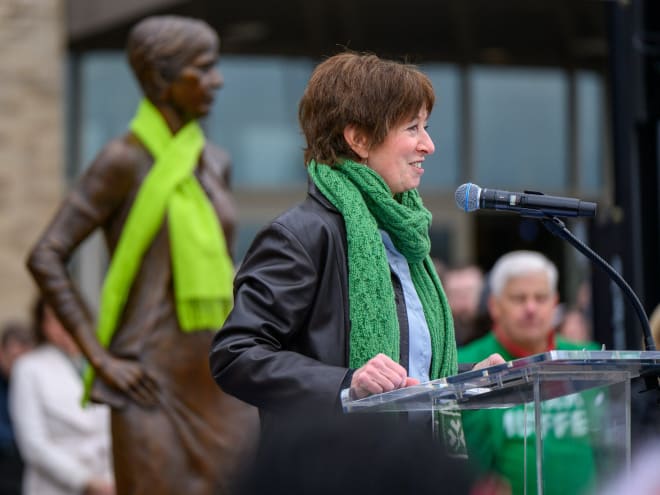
<point x="532" y="381"/>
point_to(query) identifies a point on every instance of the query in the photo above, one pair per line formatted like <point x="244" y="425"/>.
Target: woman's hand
<point x="129" y="377"/>
<point x="380" y="374"/>
<point x="491" y="360"/>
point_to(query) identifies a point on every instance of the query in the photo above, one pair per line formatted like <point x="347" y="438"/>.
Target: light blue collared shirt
<point x="419" y="355"/>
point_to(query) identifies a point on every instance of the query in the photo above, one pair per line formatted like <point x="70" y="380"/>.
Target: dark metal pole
<point x="624" y="104"/>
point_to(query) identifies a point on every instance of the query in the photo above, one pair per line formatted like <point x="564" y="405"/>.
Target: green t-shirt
<point x="496" y="437"/>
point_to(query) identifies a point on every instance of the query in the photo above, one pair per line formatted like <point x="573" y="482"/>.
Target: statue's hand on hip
<point x="131" y="378"/>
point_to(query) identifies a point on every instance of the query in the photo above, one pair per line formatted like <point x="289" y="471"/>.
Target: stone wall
<point x="32" y="38"/>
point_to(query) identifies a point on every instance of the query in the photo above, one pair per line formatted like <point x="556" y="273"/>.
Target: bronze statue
<point x="173" y="430"/>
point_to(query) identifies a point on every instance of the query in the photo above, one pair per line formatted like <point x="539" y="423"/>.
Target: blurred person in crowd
<point x="654" y="323"/>
<point x="574" y="326"/>
<point x="440" y="267"/>
<point x="574" y="319"/>
<point x="583" y="298"/>
<point x="15" y="340"/>
<point x="66" y="447"/>
<point x="338" y="297"/>
<point x="160" y="194"/>
<point x="464" y="286"/>
<point x="645" y="404"/>
<point x="522" y="301"/>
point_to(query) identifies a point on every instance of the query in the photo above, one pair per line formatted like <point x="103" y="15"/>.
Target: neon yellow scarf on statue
<point x="201" y="267"/>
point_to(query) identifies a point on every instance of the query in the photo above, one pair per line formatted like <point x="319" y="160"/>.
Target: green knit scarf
<point x="201" y="267"/>
<point x="366" y="203"/>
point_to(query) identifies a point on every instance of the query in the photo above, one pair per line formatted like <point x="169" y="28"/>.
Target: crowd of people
<point x="201" y="378"/>
<point x="522" y="300"/>
<point x="65" y="446"/>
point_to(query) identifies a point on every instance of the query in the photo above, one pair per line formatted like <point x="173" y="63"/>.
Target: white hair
<point x="517" y="264"/>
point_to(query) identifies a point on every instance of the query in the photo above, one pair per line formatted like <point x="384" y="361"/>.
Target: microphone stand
<point x="557" y="228"/>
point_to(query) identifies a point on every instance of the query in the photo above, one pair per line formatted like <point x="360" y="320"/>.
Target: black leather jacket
<point x="286" y="342"/>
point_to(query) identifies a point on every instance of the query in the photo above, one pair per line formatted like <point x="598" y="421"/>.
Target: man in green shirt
<point x="522" y="302"/>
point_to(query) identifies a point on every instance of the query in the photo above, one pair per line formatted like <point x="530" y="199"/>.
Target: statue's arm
<point x="91" y="203"/>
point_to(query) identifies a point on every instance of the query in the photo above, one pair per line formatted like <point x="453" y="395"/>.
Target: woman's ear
<point x="357" y="140"/>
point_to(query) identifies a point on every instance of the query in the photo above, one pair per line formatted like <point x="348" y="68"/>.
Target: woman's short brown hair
<point x="362" y="90"/>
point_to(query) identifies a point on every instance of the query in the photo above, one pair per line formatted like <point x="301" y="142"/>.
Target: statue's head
<point x="160" y="47"/>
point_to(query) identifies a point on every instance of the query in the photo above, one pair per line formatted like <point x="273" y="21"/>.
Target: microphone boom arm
<point x="558" y="228"/>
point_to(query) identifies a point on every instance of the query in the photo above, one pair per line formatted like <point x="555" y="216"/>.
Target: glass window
<point x="256" y="119"/>
<point x="441" y="168"/>
<point x="519" y="117"/>
<point x="109" y="97"/>
<point x="590" y="129"/>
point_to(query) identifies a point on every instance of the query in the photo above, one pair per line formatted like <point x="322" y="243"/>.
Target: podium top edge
<point x="586" y="367"/>
<point x="589" y="357"/>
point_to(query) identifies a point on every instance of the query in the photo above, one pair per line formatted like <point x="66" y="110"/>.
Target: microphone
<point x="470" y="197"/>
